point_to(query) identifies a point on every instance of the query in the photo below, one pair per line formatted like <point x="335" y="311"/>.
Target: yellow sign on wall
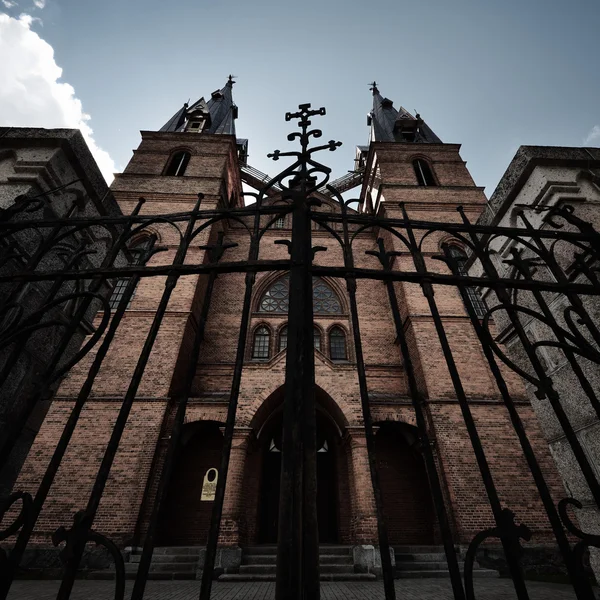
<point x="209" y="485"/>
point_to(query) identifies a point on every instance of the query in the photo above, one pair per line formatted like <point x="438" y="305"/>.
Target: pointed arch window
<point x="283" y="338"/>
<point x="423" y="172"/>
<point x="178" y="164"/>
<point x="261" y="344"/>
<point x="277" y="298"/>
<point x="478" y="303"/>
<point x="283" y="335"/>
<point x="317" y="338"/>
<point x="137" y="250"/>
<point x="337" y="344"/>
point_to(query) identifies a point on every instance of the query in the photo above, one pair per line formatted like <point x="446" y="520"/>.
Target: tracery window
<point x="277" y="298"/>
<point x="337" y="344"/>
<point x="260" y="347"/>
<point x="477" y="301"/>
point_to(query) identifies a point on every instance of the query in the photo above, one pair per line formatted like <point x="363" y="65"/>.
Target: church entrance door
<point x="327" y="492"/>
<point x="407" y="501"/>
<point x="188" y="506"/>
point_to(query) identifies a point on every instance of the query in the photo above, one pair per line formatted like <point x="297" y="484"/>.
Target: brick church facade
<point x="197" y="151"/>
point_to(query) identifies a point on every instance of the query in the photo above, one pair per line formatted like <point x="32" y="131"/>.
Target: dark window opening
<point x="118" y="293"/>
<point x="317" y="339"/>
<point x="260" y="348"/>
<point x="178" y="164"/>
<point x="137" y="251"/>
<point x="283" y="335"/>
<point x="477" y="302"/>
<point x="337" y="344"/>
<point x="423" y="172"/>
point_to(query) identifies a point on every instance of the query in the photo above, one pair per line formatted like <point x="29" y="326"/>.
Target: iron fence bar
<point x="297" y="565"/>
<point x="9" y="438"/>
<point x="82" y="222"/>
<point x="419" y="404"/>
<point x="384" y="543"/>
<point x="580" y="584"/>
<point x="139" y="587"/>
<point x="217" y="511"/>
<point x="80" y="531"/>
<point x="24" y="535"/>
<point x="482" y="463"/>
<point x="277" y="265"/>
<point x="292" y="577"/>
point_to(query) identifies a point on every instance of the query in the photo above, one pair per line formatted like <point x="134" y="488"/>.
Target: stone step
<point x="324" y="577"/>
<point x="163" y="558"/>
<point x="109" y="575"/>
<point x="477" y="573"/>
<point x="417" y="557"/>
<point x="271" y="559"/>
<point x="329" y="550"/>
<point x="159" y="550"/>
<point x="422" y="566"/>
<point x="270" y="569"/>
<point x="419" y="549"/>
<point x="164" y="567"/>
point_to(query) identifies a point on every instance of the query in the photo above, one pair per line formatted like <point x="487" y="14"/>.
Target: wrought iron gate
<point x="71" y="259"/>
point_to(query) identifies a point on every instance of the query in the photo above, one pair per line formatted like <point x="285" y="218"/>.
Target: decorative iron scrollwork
<point x="22" y="518"/>
<point x="508" y="531"/>
<point x="585" y="539"/>
<point x="81" y="533"/>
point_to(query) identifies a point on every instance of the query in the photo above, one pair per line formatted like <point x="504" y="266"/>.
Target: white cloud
<point x="593" y="135"/>
<point x="31" y="94"/>
<point x="39" y="3"/>
<point x="8" y="3"/>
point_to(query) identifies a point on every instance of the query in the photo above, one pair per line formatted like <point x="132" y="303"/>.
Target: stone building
<point x="538" y="179"/>
<point x="197" y="151"/>
<point x="54" y="170"/>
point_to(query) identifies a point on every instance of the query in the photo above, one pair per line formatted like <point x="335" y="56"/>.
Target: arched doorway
<point x="333" y="504"/>
<point x="186" y="514"/>
<point x="407" y="501"/>
<point x="327" y="484"/>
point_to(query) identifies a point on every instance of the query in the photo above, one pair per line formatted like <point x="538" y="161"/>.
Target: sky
<point x="491" y="75"/>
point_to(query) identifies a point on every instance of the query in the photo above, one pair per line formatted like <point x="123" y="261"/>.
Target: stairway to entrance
<point x="428" y="561"/>
<point x="258" y="564"/>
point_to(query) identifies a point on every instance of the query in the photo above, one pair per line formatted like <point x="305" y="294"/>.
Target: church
<point x="198" y="151"/>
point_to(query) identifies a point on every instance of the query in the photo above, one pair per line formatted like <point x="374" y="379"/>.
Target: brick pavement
<point x="409" y="589"/>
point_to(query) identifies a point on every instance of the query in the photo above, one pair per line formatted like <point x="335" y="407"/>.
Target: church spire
<point x="391" y="125"/>
<point x="218" y="115"/>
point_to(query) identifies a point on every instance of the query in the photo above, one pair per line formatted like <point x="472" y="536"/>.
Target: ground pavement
<point x="407" y="589"/>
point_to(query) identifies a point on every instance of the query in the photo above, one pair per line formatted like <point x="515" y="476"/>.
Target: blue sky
<point x="488" y="75"/>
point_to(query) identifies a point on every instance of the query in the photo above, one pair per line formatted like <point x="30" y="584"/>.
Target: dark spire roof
<point x="391" y="125"/>
<point x="220" y="110"/>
